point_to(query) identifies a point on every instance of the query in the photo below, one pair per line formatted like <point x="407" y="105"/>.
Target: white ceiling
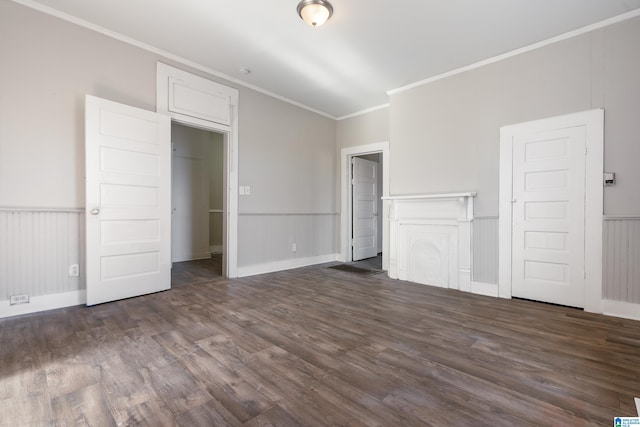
<point x="367" y="48"/>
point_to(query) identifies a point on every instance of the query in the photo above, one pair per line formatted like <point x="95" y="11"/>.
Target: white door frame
<point x="594" y="165"/>
<point x="230" y="133"/>
<point x="230" y="201"/>
<point x="346" y="255"/>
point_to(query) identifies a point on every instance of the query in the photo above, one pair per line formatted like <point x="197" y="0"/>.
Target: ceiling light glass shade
<point x="315" y="12"/>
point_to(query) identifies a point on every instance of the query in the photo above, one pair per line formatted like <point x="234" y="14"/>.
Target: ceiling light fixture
<point x="315" y="12"/>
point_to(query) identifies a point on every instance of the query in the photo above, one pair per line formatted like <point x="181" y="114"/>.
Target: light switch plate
<point x="609" y="179"/>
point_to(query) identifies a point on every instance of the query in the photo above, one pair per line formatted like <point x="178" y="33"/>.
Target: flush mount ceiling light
<point x="315" y="12"/>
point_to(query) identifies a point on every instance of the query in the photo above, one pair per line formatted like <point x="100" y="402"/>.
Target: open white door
<point x="128" y="201"/>
<point x="365" y="209"/>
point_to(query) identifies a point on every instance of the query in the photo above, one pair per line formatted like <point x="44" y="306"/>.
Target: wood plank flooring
<point x="316" y="347"/>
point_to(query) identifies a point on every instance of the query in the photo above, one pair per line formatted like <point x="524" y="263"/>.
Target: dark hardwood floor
<point x="316" y="347"/>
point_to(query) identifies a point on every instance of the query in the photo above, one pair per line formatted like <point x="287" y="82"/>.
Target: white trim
<point x="216" y="211"/>
<point x="626" y="310"/>
<point x="287" y="264"/>
<point x="432" y="196"/>
<point x="133" y="42"/>
<point x="487" y="289"/>
<point x="593" y="211"/>
<point x="230" y="132"/>
<point x="215" y="249"/>
<point x="286" y="213"/>
<point x="43" y="303"/>
<point x="346" y="154"/>
<point x="363" y="112"/>
<point x="637" y="400"/>
<point x="515" y="52"/>
<point x="443" y="224"/>
<point x="621" y="217"/>
<point x="42" y="209"/>
<point x="193" y="257"/>
<point x="594" y="165"/>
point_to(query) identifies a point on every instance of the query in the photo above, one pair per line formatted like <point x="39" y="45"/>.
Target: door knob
<point x="95" y="211"/>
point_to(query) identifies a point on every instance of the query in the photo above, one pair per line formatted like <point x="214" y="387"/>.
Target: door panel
<point x="128" y="193"/>
<point x="365" y="209"/>
<point x="548" y="216"/>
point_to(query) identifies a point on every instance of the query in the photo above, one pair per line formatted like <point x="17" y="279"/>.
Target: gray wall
<point x="286" y="153"/>
<point x="363" y="129"/>
<point x="47" y="68"/>
<point x="445" y="135"/>
<point x="287" y="158"/>
<point x="190" y="190"/>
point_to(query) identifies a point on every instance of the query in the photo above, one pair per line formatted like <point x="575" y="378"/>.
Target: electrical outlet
<point x="19" y="299"/>
<point x="293" y="247"/>
<point x="247" y="190"/>
<point x="74" y="270"/>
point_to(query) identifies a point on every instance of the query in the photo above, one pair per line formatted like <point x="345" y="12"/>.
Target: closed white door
<point x="365" y="208"/>
<point x="128" y="201"/>
<point x="548" y="215"/>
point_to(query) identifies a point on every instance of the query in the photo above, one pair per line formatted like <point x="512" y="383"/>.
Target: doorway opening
<point x="197" y="188"/>
<point x="199" y="103"/>
<point x="364" y="230"/>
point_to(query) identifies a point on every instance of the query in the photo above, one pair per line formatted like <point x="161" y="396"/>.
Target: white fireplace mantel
<point x="430" y="239"/>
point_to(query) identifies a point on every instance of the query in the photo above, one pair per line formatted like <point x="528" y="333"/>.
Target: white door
<point x="365" y="208"/>
<point x="128" y="201"/>
<point x="548" y="247"/>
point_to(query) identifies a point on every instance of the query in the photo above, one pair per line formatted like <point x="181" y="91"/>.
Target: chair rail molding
<point x="430" y="239"/>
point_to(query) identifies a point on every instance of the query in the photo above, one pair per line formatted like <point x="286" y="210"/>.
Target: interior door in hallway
<point x="365" y="208"/>
<point x="128" y="201"/>
<point x="549" y="214"/>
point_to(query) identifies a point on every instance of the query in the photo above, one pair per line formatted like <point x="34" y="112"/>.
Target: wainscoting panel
<point x="268" y="238"/>
<point x="485" y="249"/>
<point x="37" y="246"/>
<point x="621" y="259"/>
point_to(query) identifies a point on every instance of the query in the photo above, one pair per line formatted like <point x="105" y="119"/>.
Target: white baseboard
<point x="43" y="303"/>
<point x="488" y="289"/>
<point x="192" y="257"/>
<point x="215" y="249"/>
<point x="288" y="264"/>
<point x="626" y="310"/>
